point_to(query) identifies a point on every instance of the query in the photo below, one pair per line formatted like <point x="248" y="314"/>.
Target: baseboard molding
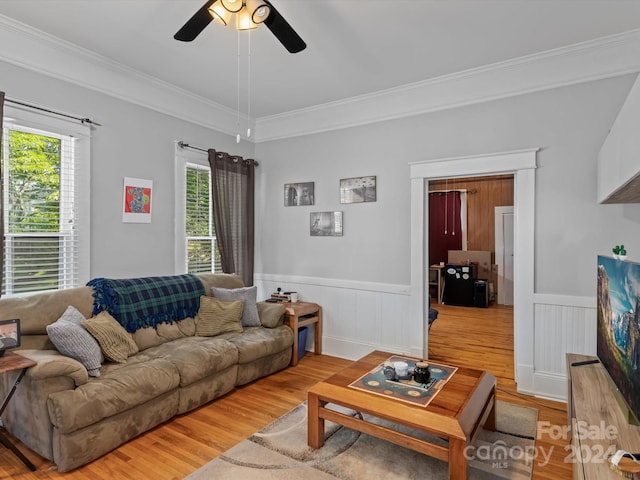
<point x="354" y="350"/>
<point x="551" y="385"/>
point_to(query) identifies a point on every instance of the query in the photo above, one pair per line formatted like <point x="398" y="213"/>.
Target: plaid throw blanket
<point x="145" y="302"/>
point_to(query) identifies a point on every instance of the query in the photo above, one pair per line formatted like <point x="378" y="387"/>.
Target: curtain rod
<point x="182" y="144"/>
<point x="42" y="109"/>
<point x="470" y="192"/>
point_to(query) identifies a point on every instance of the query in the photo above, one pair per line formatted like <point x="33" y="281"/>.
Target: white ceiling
<point x="355" y="47"/>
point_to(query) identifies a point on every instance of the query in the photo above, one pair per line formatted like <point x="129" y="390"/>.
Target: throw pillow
<point x="250" y="316"/>
<point x="116" y="343"/>
<point x="72" y="340"/>
<point x="218" y="316"/>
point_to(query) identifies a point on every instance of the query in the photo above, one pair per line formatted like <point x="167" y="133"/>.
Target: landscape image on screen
<point x="618" y="336"/>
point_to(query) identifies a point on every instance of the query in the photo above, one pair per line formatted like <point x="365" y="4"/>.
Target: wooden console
<point x="599" y="426"/>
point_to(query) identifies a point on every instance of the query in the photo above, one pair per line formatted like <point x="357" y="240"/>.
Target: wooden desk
<point x="301" y="314"/>
<point x="10" y="362"/>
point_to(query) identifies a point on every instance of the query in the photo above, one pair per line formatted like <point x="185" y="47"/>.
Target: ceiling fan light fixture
<point x="243" y="20"/>
<point x="233" y="6"/>
<point x="259" y="10"/>
<point x="220" y="14"/>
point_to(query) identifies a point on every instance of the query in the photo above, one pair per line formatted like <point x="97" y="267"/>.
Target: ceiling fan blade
<point x="195" y="24"/>
<point x="284" y="32"/>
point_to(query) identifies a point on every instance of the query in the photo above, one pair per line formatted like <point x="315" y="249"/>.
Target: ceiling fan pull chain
<point x="238" y="92"/>
<point x="446" y="204"/>
<point x="249" y="87"/>
<point x="453" y="217"/>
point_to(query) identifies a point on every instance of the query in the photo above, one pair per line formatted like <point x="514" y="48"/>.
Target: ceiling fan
<point x="249" y="13"/>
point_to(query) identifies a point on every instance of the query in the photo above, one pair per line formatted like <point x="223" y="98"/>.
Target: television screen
<point x="618" y="336"/>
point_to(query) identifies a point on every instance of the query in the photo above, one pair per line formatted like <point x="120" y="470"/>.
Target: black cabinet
<point x="459" y="284"/>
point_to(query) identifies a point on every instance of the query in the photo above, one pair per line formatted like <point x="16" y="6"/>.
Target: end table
<point x="301" y="314"/>
<point x="8" y="363"/>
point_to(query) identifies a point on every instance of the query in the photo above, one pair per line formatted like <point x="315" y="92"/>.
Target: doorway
<point x="522" y="165"/>
<point x="504" y="223"/>
<point x="480" y="196"/>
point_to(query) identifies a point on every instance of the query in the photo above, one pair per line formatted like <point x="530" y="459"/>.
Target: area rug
<point x="280" y="451"/>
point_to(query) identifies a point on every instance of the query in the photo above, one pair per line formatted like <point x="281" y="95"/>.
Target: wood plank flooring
<point x="480" y="338"/>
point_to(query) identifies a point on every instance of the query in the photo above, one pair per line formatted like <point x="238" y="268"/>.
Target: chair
<point x="433" y="314"/>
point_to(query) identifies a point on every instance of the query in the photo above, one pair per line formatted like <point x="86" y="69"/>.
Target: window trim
<point x="183" y="157"/>
<point x="36" y="121"/>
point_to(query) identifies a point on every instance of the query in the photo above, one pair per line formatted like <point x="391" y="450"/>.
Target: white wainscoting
<point x="364" y="316"/>
<point x="562" y="324"/>
<point x="358" y="317"/>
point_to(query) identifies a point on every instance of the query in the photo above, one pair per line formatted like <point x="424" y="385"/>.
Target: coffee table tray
<point x="405" y="390"/>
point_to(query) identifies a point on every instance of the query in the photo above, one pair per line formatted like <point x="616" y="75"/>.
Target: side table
<point x="301" y="314"/>
<point x="8" y="363"/>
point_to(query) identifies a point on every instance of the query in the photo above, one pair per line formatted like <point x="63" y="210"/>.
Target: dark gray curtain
<point x="232" y="194"/>
<point x="1" y="195"/>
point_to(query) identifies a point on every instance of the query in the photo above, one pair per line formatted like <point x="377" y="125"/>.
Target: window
<point x="45" y="207"/>
<point x="198" y="249"/>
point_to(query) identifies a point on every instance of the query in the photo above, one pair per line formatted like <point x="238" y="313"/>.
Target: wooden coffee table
<point x="463" y="405"/>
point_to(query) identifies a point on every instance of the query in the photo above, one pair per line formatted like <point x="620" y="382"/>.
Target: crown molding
<point x="593" y="60"/>
<point x="43" y="53"/>
<point x="583" y="62"/>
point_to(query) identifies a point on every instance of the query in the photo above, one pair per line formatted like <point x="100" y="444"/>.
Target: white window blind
<point x="46" y="204"/>
<point x="199" y="252"/>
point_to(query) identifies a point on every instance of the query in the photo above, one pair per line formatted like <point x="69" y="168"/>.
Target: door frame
<point x="499" y="213"/>
<point x="521" y="164"/>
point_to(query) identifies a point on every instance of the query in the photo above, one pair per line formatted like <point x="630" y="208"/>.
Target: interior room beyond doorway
<point x="462" y="213"/>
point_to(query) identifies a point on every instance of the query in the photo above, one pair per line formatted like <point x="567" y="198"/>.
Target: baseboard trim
<point x="354" y="350"/>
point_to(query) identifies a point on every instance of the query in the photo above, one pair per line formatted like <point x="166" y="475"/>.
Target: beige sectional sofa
<point x="71" y="418"/>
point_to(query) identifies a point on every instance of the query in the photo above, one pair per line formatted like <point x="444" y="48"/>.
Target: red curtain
<point x="445" y="225"/>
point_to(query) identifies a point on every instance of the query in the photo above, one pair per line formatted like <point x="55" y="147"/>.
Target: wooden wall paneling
<point x="490" y="192"/>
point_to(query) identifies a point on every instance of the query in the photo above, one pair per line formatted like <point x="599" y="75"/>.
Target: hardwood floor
<point x="483" y="338"/>
<point x="479" y="338"/>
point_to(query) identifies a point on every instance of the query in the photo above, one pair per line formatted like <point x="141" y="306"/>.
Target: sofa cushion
<point x="217" y="316"/>
<point x="221" y="280"/>
<point x="115" y="342"/>
<point x="259" y="342"/>
<point x="146" y="337"/>
<point x="248" y="295"/>
<point x="73" y="340"/>
<point x="193" y="357"/>
<point x="271" y="314"/>
<point x="169" y="331"/>
<point x="116" y="391"/>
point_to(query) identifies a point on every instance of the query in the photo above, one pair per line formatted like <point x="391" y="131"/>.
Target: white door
<point x="504" y="253"/>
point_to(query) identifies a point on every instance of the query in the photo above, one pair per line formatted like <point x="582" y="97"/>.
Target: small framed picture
<point x="297" y="194"/>
<point x="326" y="224"/>
<point x="137" y="200"/>
<point x="10" y="333"/>
<point x="358" y="189"/>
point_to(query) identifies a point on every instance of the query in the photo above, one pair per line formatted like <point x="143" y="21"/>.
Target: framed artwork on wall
<point x="137" y="200"/>
<point x="358" y="189"/>
<point x="10" y="333"/>
<point x="297" y="194"/>
<point x="326" y="224"/>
